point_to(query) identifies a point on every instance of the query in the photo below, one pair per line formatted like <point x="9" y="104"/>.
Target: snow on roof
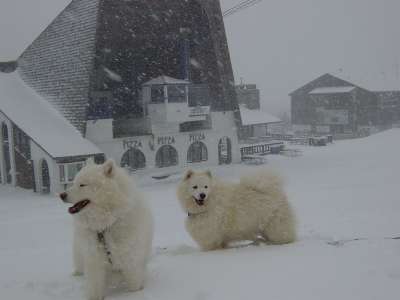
<point x="39" y="120"/>
<point x="255" y="116"/>
<point x="165" y="80"/>
<point x="22" y="21"/>
<point x="332" y="90"/>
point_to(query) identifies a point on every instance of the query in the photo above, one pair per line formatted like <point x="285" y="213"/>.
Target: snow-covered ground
<point x="346" y="191"/>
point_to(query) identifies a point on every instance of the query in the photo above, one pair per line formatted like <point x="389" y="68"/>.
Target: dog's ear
<point x="189" y="173"/>
<point x="208" y="173"/>
<point x="109" y="168"/>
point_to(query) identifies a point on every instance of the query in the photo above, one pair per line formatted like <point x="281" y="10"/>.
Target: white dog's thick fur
<point x="118" y="212"/>
<point x="221" y="212"/>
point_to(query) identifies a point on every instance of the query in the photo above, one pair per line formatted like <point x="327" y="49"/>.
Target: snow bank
<point x="346" y="191"/>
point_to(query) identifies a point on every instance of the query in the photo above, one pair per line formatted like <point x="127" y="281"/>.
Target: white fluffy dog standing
<point x="221" y="212"/>
<point x="113" y="227"/>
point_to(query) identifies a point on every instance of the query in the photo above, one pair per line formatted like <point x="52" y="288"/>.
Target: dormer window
<point x="167" y="99"/>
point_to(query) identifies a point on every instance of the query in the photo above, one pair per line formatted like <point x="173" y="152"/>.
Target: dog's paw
<point x="77" y="273"/>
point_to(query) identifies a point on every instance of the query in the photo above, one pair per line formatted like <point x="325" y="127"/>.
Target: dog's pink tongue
<point x="77" y="207"/>
<point x="73" y="209"/>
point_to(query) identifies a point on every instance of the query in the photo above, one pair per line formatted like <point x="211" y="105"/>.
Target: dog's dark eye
<point x="206" y="186"/>
<point x="83" y="185"/>
<point x="195" y="187"/>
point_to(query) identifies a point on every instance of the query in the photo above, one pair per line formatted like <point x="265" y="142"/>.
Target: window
<point x="44" y="177"/>
<point x="247" y="131"/>
<point x="199" y="95"/>
<point x="133" y="159"/>
<point x="197" y="152"/>
<point x="166" y="156"/>
<point x="22" y="143"/>
<point x="195" y="125"/>
<point x="6" y="153"/>
<point x="225" y="151"/>
<point x="62" y="173"/>
<point x="69" y="171"/>
<point x="176" y="94"/>
<point x="157" y="94"/>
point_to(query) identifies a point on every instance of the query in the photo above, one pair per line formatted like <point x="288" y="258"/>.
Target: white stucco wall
<point x="223" y="125"/>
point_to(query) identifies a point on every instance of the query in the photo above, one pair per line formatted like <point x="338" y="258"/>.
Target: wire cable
<point x="240" y="6"/>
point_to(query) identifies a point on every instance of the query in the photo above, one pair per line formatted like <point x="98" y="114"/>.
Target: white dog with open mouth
<point x="221" y="212"/>
<point x="113" y="227"/>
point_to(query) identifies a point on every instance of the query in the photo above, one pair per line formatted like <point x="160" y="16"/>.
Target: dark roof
<point x="58" y="63"/>
<point x="8" y="67"/>
<point x="326" y="80"/>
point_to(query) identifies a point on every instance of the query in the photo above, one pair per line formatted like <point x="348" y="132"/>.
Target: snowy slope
<point x="341" y="192"/>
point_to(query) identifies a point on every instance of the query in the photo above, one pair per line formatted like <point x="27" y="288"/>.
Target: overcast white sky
<point x="277" y="44"/>
<point x="282" y="44"/>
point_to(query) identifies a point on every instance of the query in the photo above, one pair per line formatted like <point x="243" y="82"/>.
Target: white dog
<point x="113" y="227"/>
<point x="220" y="212"/>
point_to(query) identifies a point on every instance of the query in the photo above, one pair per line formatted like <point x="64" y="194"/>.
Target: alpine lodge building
<point x="147" y="83"/>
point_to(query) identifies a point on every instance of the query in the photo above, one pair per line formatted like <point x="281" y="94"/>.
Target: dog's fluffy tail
<point x="263" y="181"/>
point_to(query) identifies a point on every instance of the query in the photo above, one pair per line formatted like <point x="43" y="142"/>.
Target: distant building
<point x="329" y="104"/>
<point x="254" y="137"/>
<point x="248" y="95"/>
<point x="389" y="107"/>
<point x="147" y="83"/>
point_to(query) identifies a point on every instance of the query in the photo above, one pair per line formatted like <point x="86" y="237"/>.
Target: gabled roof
<point x="40" y="121"/>
<point x="21" y="21"/>
<point x="326" y="80"/>
<point x="332" y="90"/>
<point x="255" y="116"/>
<point x="161" y="80"/>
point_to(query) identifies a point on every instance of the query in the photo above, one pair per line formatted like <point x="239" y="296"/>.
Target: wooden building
<point x="254" y="135"/>
<point x="389" y="108"/>
<point x="331" y="105"/>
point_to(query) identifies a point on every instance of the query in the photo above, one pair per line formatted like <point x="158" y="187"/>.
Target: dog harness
<point x="102" y="240"/>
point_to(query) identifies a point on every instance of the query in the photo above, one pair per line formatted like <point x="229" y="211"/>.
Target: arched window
<point x="225" y="151"/>
<point x="133" y="159"/>
<point x="197" y="152"/>
<point x="166" y="156"/>
<point x="6" y="153"/>
<point x="44" y="176"/>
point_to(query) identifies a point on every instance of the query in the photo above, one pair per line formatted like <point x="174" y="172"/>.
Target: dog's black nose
<point x="63" y="196"/>
<point x="202" y="196"/>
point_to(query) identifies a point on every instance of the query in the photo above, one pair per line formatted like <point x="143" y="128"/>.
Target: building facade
<point x="331" y="105"/>
<point x="389" y="107"/>
<point x="248" y="95"/>
<point x="147" y="83"/>
<point x="254" y="131"/>
<point x="39" y="149"/>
